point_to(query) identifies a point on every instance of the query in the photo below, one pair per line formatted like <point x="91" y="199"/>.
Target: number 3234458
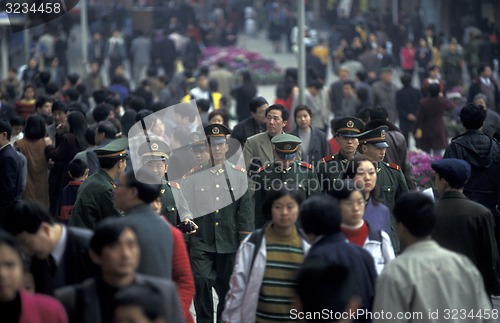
<point x="24" y="7"/>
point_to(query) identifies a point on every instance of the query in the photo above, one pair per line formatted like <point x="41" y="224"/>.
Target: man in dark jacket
<point x="486" y="85"/>
<point x="254" y="124"/>
<point x="465" y="226"/>
<point x="407" y="100"/>
<point x="483" y="153"/>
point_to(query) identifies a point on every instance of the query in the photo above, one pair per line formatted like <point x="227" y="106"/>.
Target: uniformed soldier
<point x="154" y="155"/>
<point x="95" y="196"/>
<point x="218" y="197"/>
<point x="286" y="170"/>
<point x="330" y="168"/>
<point x="199" y="148"/>
<point x="390" y="179"/>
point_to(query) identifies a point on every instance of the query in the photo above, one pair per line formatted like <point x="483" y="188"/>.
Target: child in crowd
<point x="78" y="171"/>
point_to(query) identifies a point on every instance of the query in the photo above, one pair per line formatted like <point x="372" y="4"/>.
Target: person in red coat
<point x="17" y="305"/>
<point x="429" y="127"/>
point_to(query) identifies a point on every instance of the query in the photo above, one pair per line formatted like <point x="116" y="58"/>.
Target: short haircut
<point x="42" y="100"/>
<point x="299" y="108"/>
<point x="220" y="112"/>
<point x="73" y="78"/>
<point x="416" y="212"/>
<point x="379" y="113"/>
<point x="146" y="182"/>
<point x="480" y="96"/>
<point x="203" y="104"/>
<point x="51" y="88"/>
<point x="44" y="77"/>
<point x="481" y="68"/>
<point x="8" y="240"/>
<point x="108" y="163"/>
<point x="157" y="106"/>
<point x="101" y="112"/>
<point x="256" y="102"/>
<point x="108" y="128"/>
<point x="320" y="285"/>
<point x="350" y="83"/>
<point x="273" y="195"/>
<point x="99" y="96"/>
<point x="90" y="135"/>
<point x="146" y="296"/>
<point x="72" y="94"/>
<point x="434" y="90"/>
<point x="17" y="121"/>
<point x="137" y="103"/>
<point x="284" y="112"/>
<point x="35" y="127"/>
<point x="406" y="79"/>
<point x="185" y="112"/>
<point x="342" y="189"/>
<point x="320" y="215"/>
<point x="77" y="168"/>
<point x="26" y="216"/>
<point x="107" y="232"/>
<point x="181" y="134"/>
<point x="59" y="106"/>
<point x="472" y="116"/>
<point x="6" y="127"/>
<point x="143" y="114"/>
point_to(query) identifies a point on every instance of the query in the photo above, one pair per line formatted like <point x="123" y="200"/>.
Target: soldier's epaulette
<point x="174" y="185"/>
<point x="304" y="164"/>
<point x="327" y="159"/>
<point x="192" y="171"/>
<point x="241" y="169"/>
<point x="266" y="165"/>
<point x="394" y="166"/>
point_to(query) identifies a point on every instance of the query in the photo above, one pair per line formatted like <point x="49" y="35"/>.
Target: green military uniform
<point x="330" y="168"/>
<point x="95" y="196"/>
<point x="273" y="176"/>
<point x="219" y="200"/>
<point x="173" y="205"/>
<point x="390" y="179"/>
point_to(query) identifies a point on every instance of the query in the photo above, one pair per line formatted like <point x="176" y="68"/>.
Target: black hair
<point x="35" y="127"/>
<point x="59" y="106"/>
<point x="17" y="121"/>
<point x="273" y="195"/>
<point x="146" y="182"/>
<point x="343" y="188"/>
<point x="107" y="232"/>
<point x="118" y="126"/>
<point x="44" y="77"/>
<point x="42" y="100"/>
<point x="284" y="112"/>
<point x="256" y="102"/>
<point x="101" y="112"/>
<point x="51" y="88"/>
<point x="90" y="135"/>
<point x="379" y="113"/>
<point x="481" y="68"/>
<point x="6" y="127"/>
<point x="352" y="168"/>
<point x="434" y="90"/>
<point x="78" y="126"/>
<point x="99" y="96"/>
<point x="220" y="112"/>
<point x="320" y="215"/>
<point x="137" y="103"/>
<point x="203" y="104"/>
<point x="364" y="114"/>
<point x="299" y="108"/>
<point x="146" y="296"/>
<point x="108" y="128"/>
<point x="72" y="94"/>
<point x="26" y="216"/>
<point x="157" y="106"/>
<point x="6" y="239"/>
<point x="108" y="163"/>
<point x="416" y="212"/>
<point x="472" y="116"/>
<point x="361" y="75"/>
<point x="213" y="85"/>
<point x="185" y="112"/>
<point x="128" y="120"/>
<point x="181" y="134"/>
<point x="351" y="83"/>
<point x="73" y="78"/>
<point x="406" y="79"/>
<point x="320" y="285"/>
<point x="75" y="106"/>
<point x="77" y="168"/>
<point x="142" y="114"/>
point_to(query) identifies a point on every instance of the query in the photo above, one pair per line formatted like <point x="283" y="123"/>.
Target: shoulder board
<point x="304" y="164"/>
<point x="193" y="170"/>
<point x="266" y="165"/>
<point x="394" y="166"/>
<point x="241" y="169"/>
<point x="174" y="185"/>
<point x="327" y="159"/>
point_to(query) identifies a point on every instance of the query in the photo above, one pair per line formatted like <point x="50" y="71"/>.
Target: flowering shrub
<point x="264" y="71"/>
<point x="421" y="163"/>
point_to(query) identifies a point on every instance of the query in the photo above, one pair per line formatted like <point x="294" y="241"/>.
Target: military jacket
<point x="173" y="204"/>
<point x="330" y="168"/>
<point x="223" y="192"/>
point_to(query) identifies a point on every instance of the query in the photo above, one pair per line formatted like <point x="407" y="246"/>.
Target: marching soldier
<point x="218" y="197"/>
<point x="330" y="168"/>
<point x="285" y="170"/>
<point x="95" y="196"/>
<point x="154" y="155"/>
<point x="390" y="179"/>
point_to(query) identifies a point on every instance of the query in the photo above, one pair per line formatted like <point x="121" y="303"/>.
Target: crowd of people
<point x="116" y="209"/>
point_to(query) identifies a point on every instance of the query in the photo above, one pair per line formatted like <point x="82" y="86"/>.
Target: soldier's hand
<point x="188" y="227"/>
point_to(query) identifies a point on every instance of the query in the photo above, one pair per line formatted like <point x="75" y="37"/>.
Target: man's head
<point x="114" y="247"/>
<point x="33" y="226"/>
<point x="217" y="142"/>
<point x="386" y="75"/>
<point x="113" y="156"/>
<point x="344" y="74"/>
<point x="348" y="88"/>
<point x="154" y="155"/>
<point x="346" y="131"/>
<point x="202" y="81"/>
<point x="276" y="119"/>
<point x="134" y="190"/>
<point x="434" y="71"/>
<point x="60" y="112"/>
<point x="139" y="303"/>
<point x="285" y="148"/>
<point x="480" y="99"/>
<point x="5" y="132"/>
<point x="199" y="148"/>
<point x="373" y="143"/>
<point x="102" y="112"/>
<point x="258" y="106"/>
<point x="484" y="71"/>
<point x="320" y="215"/>
<point x="105" y="130"/>
<point x="415" y="216"/>
<point x="78" y="169"/>
<point x="43" y="106"/>
<point x="472" y="116"/>
<point x="451" y="174"/>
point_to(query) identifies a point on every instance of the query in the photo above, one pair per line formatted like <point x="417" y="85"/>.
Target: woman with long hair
<point x="243" y="94"/>
<point x="261" y="286"/>
<point x="72" y="142"/>
<point x="352" y="201"/>
<point x="32" y="146"/>
<point x="364" y="171"/>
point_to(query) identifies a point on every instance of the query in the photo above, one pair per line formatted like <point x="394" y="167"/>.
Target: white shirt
<point x="58" y="251"/>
